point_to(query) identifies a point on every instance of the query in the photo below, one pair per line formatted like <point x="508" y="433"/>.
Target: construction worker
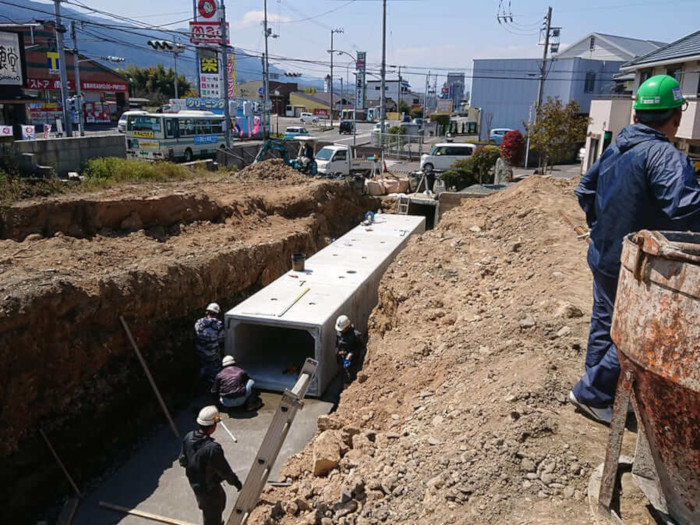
<point x="640" y="182"/>
<point x="206" y="467"/>
<point x="233" y="386"/>
<point x="210" y="334"/>
<point x="350" y="349"/>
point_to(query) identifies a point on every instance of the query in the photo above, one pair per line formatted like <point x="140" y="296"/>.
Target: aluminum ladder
<point x="292" y="401"/>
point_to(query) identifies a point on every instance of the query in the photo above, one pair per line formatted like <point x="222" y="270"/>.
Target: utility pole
<point x="382" y="96"/>
<point x="224" y="54"/>
<point x="540" y="87"/>
<point x="425" y="98"/>
<point x="76" y="68"/>
<point x="62" y="68"/>
<point x="266" y="86"/>
<point x="330" y="103"/>
<point x="176" y="50"/>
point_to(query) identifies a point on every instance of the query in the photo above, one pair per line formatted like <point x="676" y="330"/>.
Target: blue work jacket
<point x="641" y="182"/>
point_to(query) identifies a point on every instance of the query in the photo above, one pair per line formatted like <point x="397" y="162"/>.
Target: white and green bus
<point x="175" y="136"/>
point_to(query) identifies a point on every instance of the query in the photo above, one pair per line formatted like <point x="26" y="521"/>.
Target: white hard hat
<point x="208" y="416"/>
<point x="228" y="360"/>
<point x="213" y="308"/>
<point x="342" y="323"/>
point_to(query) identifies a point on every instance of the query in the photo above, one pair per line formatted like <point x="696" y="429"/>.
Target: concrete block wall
<point x="70" y="154"/>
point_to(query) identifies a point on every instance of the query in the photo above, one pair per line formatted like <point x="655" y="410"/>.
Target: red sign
<point x="206" y="32"/>
<point x="44" y="83"/>
<point x="207" y="8"/>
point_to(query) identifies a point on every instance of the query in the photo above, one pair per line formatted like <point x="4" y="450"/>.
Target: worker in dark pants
<point x="350" y="349"/>
<point x="206" y="467"/>
<point x="641" y="182"/>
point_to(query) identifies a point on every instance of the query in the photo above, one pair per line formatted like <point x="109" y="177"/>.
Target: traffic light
<point x="166" y="45"/>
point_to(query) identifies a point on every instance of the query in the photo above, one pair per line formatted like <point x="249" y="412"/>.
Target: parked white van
<point x="443" y="155"/>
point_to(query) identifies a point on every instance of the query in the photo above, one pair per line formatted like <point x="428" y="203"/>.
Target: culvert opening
<point x="427" y="209"/>
<point x="272" y="355"/>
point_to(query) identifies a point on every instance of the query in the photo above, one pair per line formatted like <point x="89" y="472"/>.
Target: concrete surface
<point x="153" y="480"/>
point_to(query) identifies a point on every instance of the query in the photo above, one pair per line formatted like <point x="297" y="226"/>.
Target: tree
<point x="404" y="107"/>
<point x="155" y="82"/>
<point x="556" y="130"/>
<point x="417" y="113"/>
<point x="476" y="169"/>
<point x="513" y="147"/>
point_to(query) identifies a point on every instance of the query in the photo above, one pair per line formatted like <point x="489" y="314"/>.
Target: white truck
<point x="340" y="160"/>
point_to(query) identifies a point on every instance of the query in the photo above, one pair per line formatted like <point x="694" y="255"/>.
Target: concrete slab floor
<point x="153" y="480"/>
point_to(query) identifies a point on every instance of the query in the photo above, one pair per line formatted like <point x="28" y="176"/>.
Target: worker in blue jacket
<point x="640" y="182"/>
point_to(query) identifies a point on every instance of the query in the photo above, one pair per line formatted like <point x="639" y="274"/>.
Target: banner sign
<point x="5" y="131"/>
<point x="47" y="130"/>
<point x="231" y="70"/>
<point x="10" y="65"/>
<point x="207" y="32"/>
<point x="360" y="80"/>
<point x="28" y="132"/>
<point x="45" y="83"/>
<point x="209" y="104"/>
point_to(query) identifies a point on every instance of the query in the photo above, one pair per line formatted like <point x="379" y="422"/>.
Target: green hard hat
<point x="659" y="92"/>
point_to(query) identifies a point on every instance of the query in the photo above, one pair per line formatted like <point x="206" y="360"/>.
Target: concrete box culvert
<point x="271" y="333"/>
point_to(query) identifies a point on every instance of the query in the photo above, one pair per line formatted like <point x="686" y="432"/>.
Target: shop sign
<point x="28" y="132"/>
<point x="209" y="104"/>
<point x="10" y="65"/>
<point x="5" y="131"/>
<point x="52" y="63"/>
<point x="55" y="84"/>
<point x="104" y="86"/>
<point x="207" y="8"/>
<point x="207" y="32"/>
<point x="231" y="68"/>
<point x="209" y="78"/>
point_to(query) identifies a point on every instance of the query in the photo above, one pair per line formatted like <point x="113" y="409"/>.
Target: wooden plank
<point x="142" y="514"/>
<point x="68" y="512"/>
<point x="60" y="463"/>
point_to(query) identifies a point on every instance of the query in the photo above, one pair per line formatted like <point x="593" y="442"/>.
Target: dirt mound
<point x="270" y="170"/>
<point x="460" y="414"/>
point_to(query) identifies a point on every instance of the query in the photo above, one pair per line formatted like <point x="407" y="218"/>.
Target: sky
<point x="421" y="35"/>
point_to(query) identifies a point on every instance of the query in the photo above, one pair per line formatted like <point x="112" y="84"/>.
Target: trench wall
<point x="67" y="367"/>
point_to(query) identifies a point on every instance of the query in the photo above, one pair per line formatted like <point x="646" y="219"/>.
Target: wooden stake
<point x="149" y="376"/>
<point x="147" y="515"/>
<point x="60" y="463"/>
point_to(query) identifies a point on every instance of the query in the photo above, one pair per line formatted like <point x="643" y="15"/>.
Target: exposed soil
<point x="460" y="414"/>
<point x="156" y="254"/>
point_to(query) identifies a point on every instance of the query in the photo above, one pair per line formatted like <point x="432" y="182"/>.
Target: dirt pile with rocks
<point x="460" y="414"/>
<point x="156" y="254"/>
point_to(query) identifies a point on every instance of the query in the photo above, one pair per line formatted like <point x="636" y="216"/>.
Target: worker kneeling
<point x="206" y="467"/>
<point x="233" y="386"/>
<point x="350" y="349"/>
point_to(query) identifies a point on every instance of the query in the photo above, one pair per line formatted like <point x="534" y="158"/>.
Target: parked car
<point x="378" y="127"/>
<point x="308" y="117"/>
<point x="418" y="121"/>
<point x="443" y="155"/>
<point x="406" y="118"/>
<point x="346" y="126"/>
<point x="496" y="135"/>
<point x="121" y="124"/>
<point x="295" y="131"/>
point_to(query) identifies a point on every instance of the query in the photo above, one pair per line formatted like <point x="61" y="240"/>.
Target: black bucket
<point x="298" y="260"/>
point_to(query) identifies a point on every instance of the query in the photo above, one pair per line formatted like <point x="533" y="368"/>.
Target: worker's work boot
<point x="602" y="415"/>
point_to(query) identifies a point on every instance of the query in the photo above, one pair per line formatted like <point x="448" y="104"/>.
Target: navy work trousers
<point x="212" y="504"/>
<point x="597" y="387"/>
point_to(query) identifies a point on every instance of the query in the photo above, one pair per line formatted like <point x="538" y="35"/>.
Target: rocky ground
<point x="460" y="414"/>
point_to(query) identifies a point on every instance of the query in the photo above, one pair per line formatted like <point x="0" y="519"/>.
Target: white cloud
<point x="256" y="17"/>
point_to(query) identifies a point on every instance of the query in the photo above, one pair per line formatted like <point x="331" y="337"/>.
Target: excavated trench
<point x="66" y="366"/>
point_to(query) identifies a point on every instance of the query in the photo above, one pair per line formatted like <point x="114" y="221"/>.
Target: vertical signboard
<point x="209" y="77"/>
<point x="231" y="65"/>
<point x="360" y="79"/>
<point x="10" y="64"/>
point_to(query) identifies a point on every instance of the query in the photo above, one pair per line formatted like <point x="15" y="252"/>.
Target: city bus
<point x="176" y="136"/>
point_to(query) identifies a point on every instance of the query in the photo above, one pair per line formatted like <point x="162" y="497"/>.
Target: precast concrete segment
<point x="271" y="333"/>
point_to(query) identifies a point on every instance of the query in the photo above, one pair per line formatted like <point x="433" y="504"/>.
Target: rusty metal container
<point x="656" y="327"/>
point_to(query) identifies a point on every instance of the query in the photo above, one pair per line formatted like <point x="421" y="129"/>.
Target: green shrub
<point x="477" y="169"/>
<point x="110" y="170"/>
<point x="443" y="119"/>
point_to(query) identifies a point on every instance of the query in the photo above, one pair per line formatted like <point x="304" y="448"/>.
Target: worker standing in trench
<point x="209" y="331"/>
<point x="350" y="349"/>
<point x="206" y="467"/>
<point x="640" y="182"/>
